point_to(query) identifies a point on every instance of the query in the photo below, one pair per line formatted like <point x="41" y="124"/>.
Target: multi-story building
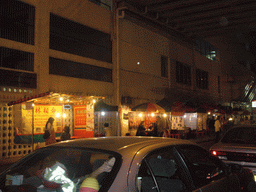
<point x="86" y="50"/>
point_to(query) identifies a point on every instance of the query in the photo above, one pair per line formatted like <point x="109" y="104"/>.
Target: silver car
<point x="238" y="145"/>
<point x="124" y="164"/>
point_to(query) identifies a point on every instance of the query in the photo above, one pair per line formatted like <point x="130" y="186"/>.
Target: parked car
<point x="122" y="164"/>
<point x="238" y="145"/>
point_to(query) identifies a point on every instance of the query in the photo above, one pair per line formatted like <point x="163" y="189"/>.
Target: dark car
<point x="238" y="145"/>
<point x="122" y="164"/>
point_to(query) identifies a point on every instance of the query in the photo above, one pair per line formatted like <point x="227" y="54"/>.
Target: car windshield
<point x="240" y="135"/>
<point x="62" y="169"/>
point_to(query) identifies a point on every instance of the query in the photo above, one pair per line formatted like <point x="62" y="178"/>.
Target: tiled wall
<point x="8" y="149"/>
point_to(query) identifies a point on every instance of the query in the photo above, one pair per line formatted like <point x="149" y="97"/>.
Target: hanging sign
<point x="80" y="116"/>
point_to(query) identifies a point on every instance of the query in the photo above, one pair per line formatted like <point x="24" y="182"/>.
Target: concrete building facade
<point x="96" y="50"/>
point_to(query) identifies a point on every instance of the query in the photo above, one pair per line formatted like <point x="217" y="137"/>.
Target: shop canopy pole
<point x="32" y="126"/>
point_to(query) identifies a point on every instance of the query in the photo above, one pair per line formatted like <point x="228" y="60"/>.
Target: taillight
<point x="214" y="153"/>
<point x="218" y="153"/>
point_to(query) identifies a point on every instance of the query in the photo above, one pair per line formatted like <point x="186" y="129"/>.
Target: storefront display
<point x="191" y="120"/>
<point x="177" y="123"/>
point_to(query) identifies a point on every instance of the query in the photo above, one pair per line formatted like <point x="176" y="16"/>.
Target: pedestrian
<point x="211" y="125"/>
<point x="50" y="138"/>
<point x="107" y="130"/>
<point x="65" y="135"/>
<point x="141" y="130"/>
<point x="189" y="134"/>
<point x="160" y="123"/>
<point x="165" y="133"/>
<point x="217" y="126"/>
<point x="154" y="132"/>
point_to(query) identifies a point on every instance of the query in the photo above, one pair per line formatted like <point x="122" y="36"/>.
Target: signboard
<point x="80" y="116"/>
<point x="41" y="115"/>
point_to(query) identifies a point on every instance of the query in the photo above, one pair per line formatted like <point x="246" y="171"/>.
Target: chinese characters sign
<point x="80" y="113"/>
<point x="41" y="115"/>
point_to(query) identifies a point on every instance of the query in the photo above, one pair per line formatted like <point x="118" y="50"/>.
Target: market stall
<point x="31" y="114"/>
<point x="149" y="113"/>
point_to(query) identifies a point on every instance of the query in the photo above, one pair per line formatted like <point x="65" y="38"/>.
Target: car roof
<point x="119" y="143"/>
<point x="245" y="125"/>
<point x="241" y="126"/>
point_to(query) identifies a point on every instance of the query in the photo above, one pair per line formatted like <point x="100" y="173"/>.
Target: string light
<point x="57" y="115"/>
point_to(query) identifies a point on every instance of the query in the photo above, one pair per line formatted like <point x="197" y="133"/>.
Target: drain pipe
<point x="120" y="13"/>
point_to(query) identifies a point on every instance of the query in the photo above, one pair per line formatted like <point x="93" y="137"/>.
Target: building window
<point x="79" y="70"/>
<point x="71" y="37"/>
<point x="201" y="79"/>
<point x="164" y="66"/>
<point x="183" y="73"/>
<point x="18" y="79"/>
<point x="17" y="21"/>
<point x="15" y="59"/>
<point x="103" y="3"/>
<point x="206" y="49"/>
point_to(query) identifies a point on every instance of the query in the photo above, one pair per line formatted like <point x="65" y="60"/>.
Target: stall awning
<point x="149" y="107"/>
<point x="28" y="98"/>
<point x="101" y="106"/>
<point x="54" y="98"/>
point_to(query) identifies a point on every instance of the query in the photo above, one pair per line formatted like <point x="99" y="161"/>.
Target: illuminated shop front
<point x="31" y="114"/>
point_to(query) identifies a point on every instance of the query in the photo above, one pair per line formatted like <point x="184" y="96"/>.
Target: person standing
<point x="217" y="126"/>
<point x="49" y="128"/>
<point x="211" y="125"/>
<point x="107" y="130"/>
<point x="65" y="135"/>
<point x="141" y="130"/>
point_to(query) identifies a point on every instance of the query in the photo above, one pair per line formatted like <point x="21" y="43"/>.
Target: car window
<point x="203" y="167"/>
<point x="159" y="172"/>
<point x="240" y="135"/>
<point x="50" y="169"/>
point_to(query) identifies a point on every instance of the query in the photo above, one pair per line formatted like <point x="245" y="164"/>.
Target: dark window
<point x="203" y="167"/>
<point x="79" y="70"/>
<point x="17" y="21"/>
<point x="18" y="79"/>
<point x="159" y="171"/>
<point x="15" y="59"/>
<point x="206" y="49"/>
<point x="201" y="79"/>
<point x="70" y="37"/>
<point x="183" y="73"/>
<point x="164" y="66"/>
